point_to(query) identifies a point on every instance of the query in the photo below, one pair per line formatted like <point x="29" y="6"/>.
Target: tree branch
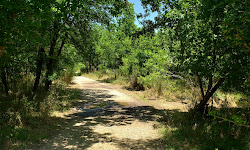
<point x="62" y="44"/>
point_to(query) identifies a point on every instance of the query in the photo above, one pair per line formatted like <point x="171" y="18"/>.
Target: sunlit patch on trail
<point x="106" y="146"/>
<point x="70" y="147"/>
<point x="136" y="130"/>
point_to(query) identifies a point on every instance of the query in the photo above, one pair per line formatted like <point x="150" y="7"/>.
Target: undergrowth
<point x="226" y="127"/>
<point x="169" y="89"/>
<point x="190" y="130"/>
<point x="25" y="116"/>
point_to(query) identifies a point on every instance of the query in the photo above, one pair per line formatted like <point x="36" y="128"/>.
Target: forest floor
<point x="109" y="117"/>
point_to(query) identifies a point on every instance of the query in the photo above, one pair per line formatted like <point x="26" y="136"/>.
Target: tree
<point x="35" y="32"/>
<point x="209" y="46"/>
<point x="103" y="41"/>
<point x="20" y="34"/>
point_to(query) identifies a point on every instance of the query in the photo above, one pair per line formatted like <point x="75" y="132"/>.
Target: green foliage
<point x="37" y="48"/>
<point x="191" y="131"/>
<point x="236" y="118"/>
<point x="202" y="42"/>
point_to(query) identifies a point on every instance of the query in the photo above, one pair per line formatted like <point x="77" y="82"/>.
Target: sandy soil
<point x="107" y="118"/>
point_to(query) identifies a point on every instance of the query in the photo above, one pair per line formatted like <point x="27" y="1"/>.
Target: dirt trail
<point x="106" y="118"/>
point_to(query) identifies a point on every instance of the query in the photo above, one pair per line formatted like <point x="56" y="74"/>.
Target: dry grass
<point x="67" y="77"/>
<point x="170" y="90"/>
<point x="109" y="77"/>
<point x="16" y="126"/>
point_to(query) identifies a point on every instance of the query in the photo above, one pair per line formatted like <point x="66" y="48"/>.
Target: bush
<point x="135" y="84"/>
<point x="67" y="76"/>
<point x="18" y="105"/>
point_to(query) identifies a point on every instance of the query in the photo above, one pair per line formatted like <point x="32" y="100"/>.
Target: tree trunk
<point x="4" y="81"/>
<point x="50" y="63"/>
<point x="49" y="72"/>
<point x="90" y="67"/>
<point x="201" y="106"/>
<point x="41" y="54"/>
<point x="201" y="86"/>
<point x="210" y="83"/>
<point x="62" y="44"/>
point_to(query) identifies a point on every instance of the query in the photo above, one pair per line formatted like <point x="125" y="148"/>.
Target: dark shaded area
<point x="192" y="131"/>
<point x="23" y="121"/>
<point x="35" y="129"/>
<point x="136" y="88"/>
<point x="40" y="60"/>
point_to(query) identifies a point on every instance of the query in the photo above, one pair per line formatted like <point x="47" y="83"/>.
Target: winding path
<point x="107" y="119"/>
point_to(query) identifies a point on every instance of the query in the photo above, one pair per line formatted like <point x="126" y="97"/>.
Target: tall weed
<point x="67" y="76"/>
<point x="135" y="84"/>
<point x="22" y="103"/>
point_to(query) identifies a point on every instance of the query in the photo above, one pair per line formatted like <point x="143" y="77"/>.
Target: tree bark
<point x="90" y="67"/>
<point x="50" y="63"/>
<point x="62" y="44"/>
<point x="41" y="54"/>
<point x="201" y="106"/>
<point x="201" y="87"/>
<point x="210" y="83"/>
<point x="4" y="81"/>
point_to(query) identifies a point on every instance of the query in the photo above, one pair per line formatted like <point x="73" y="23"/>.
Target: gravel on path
<point x="107" y="119"/>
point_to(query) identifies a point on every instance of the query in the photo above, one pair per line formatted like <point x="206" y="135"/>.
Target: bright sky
<point x="139" y="9"/>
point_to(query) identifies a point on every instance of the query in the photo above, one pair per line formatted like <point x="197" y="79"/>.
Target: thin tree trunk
<point x="41" y="54"/>
<point x="50" y="63"/>
<point x="210" y="83"/>
<point x="4" y="81"/>
<point x="90" y="67"/>
<point x="201" y="86"/>
<point x="62" y="44"/>
<point x="202" y="104"/>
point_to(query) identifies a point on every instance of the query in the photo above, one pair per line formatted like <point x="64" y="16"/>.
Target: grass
<point x="35" y="129"/>
<point x="107" y="77"/>
<point x="25" y="120"/>
<point x="39" y="127"/>
<point x="188" y="130"/>
<point x="171" y="90"/>
<point x="181" y="130"/>
<point x="143" y="98"/>
<point x="67" y="77"/>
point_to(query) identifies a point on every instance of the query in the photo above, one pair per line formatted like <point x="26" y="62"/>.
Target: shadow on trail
<point x="98" y="109"/>
<point x="184" y="130"/>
